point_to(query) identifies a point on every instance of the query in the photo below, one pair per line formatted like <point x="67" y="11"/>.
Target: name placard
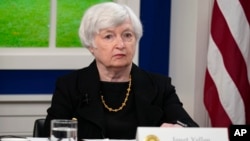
<point x="181" y="134"/>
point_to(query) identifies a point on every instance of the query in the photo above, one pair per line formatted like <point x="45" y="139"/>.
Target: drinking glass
<point x="62" y="129"/>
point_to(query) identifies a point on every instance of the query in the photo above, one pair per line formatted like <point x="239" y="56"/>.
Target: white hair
<point x="105" y="15"/>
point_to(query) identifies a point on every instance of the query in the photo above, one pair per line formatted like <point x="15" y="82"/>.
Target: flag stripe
<point x="213" y="105"/>
<point x="239" y="26"/>
<point x="227" y="80"/>
<point x="235" y="47"/>
<point x="232" y="104"/>
<point x="246" y="9"/>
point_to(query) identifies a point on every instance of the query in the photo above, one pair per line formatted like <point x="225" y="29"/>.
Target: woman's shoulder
<point x="84" y="72"/>
<point x="73" y="75"/>
<point x="151" y="75"/>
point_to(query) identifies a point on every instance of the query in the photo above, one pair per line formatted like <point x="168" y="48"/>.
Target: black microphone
<point x="85" y="99"/>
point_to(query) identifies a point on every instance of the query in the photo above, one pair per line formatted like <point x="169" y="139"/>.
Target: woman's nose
<point x="119" y="42"/>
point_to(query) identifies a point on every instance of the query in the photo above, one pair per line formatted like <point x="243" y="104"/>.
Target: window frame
<point x="52" y="57"/>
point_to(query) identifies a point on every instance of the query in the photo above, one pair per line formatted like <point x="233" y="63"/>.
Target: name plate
<point x="181" y="134"/>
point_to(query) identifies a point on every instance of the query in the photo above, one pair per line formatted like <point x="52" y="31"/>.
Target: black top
<point x="75" y="96"/>
<point x="114" y="94"/>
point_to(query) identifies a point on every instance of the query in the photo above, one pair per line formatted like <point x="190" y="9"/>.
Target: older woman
<point x="112" y="96"/>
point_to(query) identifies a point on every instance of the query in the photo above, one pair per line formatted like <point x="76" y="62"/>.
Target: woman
<point x="112" y="96"/>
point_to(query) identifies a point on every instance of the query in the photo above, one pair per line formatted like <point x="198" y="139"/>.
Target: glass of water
<point x="62" y="129"/>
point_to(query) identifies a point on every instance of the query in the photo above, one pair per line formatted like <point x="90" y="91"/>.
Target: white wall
<point x="188" y="46"/>
<point x="18" y="113"/>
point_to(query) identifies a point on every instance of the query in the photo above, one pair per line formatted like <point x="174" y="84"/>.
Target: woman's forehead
<point x="126" y="25"/>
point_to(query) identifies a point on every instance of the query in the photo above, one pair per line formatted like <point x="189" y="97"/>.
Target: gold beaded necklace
<point x="123" y="103"/>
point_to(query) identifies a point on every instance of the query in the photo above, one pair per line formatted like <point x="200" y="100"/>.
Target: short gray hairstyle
<point x="105" y="15"/>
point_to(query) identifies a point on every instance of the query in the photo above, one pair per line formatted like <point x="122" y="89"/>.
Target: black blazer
<point x="77" y="95"/>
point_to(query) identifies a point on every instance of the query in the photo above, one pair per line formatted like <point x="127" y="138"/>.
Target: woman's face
<point x="115" y="46"/>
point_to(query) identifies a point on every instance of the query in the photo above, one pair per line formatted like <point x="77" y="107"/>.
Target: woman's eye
<point x="127" y="36"/>
<point x="108" y="37"/>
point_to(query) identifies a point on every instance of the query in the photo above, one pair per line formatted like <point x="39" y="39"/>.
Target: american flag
<point x="227" y="79"/>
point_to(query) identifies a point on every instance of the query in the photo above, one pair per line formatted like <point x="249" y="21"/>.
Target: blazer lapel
<point x="89" y="86"/>
<point x="145" y="93"/>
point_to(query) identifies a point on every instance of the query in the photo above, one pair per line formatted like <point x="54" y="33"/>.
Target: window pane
<point x="24" y="23"/>
<point x="69" y="15"/>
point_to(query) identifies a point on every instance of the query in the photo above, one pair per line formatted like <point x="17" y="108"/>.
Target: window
<point x="42" y="23"/>
<point x="43" y="34"/>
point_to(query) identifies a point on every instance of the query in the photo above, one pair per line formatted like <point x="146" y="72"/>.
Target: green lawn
<point x="25" y="23"/>
<point x="69" y="14"/>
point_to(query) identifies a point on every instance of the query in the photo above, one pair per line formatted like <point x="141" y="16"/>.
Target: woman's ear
<point x="91" y="50"/>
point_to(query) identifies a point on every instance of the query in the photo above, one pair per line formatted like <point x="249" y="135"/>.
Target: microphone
<point x="85" y="99"/>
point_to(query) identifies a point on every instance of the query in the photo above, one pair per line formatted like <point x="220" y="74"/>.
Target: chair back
<point x="38" y="130"/>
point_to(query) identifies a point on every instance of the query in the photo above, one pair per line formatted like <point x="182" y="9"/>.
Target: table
<point x="46" y="139"/>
